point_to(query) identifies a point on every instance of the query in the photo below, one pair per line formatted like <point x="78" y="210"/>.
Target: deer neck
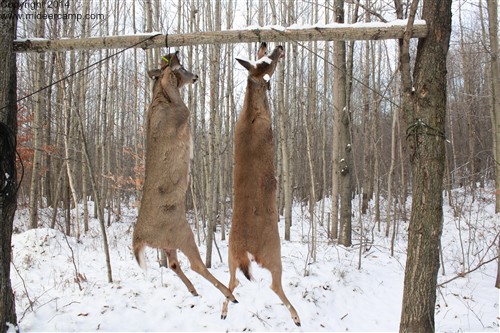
<point x="167" y="97"/>
<point x="172" y="94"/>
<point x="256" y="99"/>
<point x="168" y="92"/>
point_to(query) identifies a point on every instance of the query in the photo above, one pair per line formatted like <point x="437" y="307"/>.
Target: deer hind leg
<point x="278" y="289"/>
<point x="191" y="251"/>
<point x="173" y="263"/>
<point x="233" y="283"/>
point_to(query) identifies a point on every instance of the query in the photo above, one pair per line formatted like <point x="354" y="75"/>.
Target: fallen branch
<point x="464" y="274"/>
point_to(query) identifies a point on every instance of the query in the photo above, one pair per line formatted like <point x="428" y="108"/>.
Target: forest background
<point x="101" y="112"/>
<point x="82" y="140"/>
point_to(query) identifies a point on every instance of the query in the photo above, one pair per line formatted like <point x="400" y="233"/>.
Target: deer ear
<point x="245" y="63"/>
<point x="154" y="73"/>
<point x="262" y="50"/>
<point x="281" y="51"/>
<point x="175" y="62"/>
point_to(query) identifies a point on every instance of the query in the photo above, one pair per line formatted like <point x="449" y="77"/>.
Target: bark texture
<point x="8" y="178"/>
<point x="427" y="145"/>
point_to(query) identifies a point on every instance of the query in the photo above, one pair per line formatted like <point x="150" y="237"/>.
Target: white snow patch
<point x="265" y="59"/>
<point x="334" y="295"/>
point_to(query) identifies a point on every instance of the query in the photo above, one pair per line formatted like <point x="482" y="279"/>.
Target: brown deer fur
<point x="254" y="230"/>
<point x="162" y="220"/>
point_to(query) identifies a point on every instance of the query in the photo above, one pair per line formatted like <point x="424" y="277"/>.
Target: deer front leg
<point x="233" y="283"/>
<point x="173" y="263"/>
<point x="191" y="251"/>
<point x="278" y="289"/>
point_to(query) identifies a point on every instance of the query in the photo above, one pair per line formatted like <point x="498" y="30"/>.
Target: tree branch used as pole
<point x="330" y="32"/>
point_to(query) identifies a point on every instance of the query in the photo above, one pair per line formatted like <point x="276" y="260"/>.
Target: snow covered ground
<point x="334" y="295"/>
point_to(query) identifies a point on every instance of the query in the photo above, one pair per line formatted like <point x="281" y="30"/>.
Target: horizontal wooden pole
<point x="360" y="31"/>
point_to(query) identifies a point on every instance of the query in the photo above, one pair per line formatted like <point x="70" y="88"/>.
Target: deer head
<point x="261" y="71"/>
<point x="171" y="63"/>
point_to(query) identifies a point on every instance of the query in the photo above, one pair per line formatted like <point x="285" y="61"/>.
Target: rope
<point x="8" y="171"/>
<point x="382" y="96"/>
<point x="166" y="43"/>
<point x="83" y="69"/>
<point x="419" y="127"/>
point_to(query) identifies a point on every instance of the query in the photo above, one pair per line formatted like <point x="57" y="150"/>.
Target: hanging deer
<point x="254" y="229"/>
<point x="162" y="219"/>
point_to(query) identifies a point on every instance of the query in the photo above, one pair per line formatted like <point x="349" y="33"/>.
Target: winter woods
<point x="103" y="107"/>
<point x="81" y="139"/>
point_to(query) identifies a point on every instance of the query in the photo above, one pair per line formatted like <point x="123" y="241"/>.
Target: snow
<point x="11" y="328"/>
<point x="333" y="295"/>
<point x="265" y="59"/>
<point x="334" y="25"/>
<point x="380" y="25"/>
<point x="267" y="78"/>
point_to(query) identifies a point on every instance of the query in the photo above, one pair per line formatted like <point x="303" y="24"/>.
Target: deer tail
<point x="245" y="266"/>
<point x="139" y="248"/>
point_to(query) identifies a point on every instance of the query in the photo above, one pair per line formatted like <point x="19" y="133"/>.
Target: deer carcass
<point x="254" y="229"/>
<point x="162" y="219"/>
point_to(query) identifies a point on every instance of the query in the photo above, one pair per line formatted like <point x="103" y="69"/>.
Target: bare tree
<point x="8" y="172"/>
<point x="426" y="135"/>
<point x="470" y="106"/>
<point x="38" y="126"/>
<point x="214" y="136"/>
<point x="106" y="160"/>
<point x="342" y="120"/>
<point x="495" y="96"/>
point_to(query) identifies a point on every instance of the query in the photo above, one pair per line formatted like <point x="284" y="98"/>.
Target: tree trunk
<point x="470" y="106"/>
<point x="214" y="139"/>
<point x="38" y="109"/>
<point x="283" y="135"/>
<point x="335" y="146"/>
<point x="312" y="191"/>
<point x="342" y="118"/>
<point x="69" y="169"/>
<point x="367" y="180"/>
<point x="324" y="132"/>
<point x="49" y="127"/>
<point x="98" y="203"/>
<point x="495" y="93"/>
<point x="495" y="84"/>
<point x="426" y="140"/>
<point x="391" y="170"/>
<point x="8" y="187"/>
